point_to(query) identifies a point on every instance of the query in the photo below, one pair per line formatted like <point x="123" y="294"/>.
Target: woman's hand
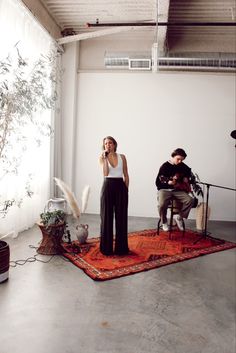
<point x="104" y="162"/>
<point x="105" y="154"/>
<point x="103" y="157"/>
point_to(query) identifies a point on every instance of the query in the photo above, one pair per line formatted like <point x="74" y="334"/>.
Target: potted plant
<point x="53" y="226"/>
<point x="24" y="91"/>
<point x="197" y="189"/>
<point x="53" y="222"/>
<point x="195" y="181"/>
<point x="81" y="229"/>
<point x="202" y="209"/>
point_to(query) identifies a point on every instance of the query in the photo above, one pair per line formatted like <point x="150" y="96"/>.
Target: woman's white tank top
<point x="116" y="172"/>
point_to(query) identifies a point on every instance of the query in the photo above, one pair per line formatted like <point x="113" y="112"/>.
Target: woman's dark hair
<point x="179" y="152"/>
<point x="109" y="138"/>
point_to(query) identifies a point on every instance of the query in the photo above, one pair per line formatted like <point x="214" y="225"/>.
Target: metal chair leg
<point x="171" y="207"/>
<point x="171" y="220"/>
<point x="158" y="226"/>
<point x="171" y="217"/>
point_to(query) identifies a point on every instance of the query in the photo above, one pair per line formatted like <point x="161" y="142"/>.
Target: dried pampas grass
<point x="69" y="196"/>
<point x="85" y="196"/>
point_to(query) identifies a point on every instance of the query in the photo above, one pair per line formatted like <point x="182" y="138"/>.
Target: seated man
<point x="173" y="180"/>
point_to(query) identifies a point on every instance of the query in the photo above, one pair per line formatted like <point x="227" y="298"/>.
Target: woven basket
<point x="4" y="261"/>
<point x="52" y="238"/>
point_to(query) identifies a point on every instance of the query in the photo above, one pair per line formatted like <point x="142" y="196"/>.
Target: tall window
<point x="27" y="187"/>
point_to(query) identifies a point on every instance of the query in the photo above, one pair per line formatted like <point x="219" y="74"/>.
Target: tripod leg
<point x="206" y="211"/>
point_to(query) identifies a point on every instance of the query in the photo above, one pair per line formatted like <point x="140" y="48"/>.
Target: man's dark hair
<point x="179" y="152"/>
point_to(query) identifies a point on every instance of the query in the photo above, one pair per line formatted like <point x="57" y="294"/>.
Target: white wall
<point x="150" y="115"/>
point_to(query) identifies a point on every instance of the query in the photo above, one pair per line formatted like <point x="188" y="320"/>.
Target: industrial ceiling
<point x="209" y="25"/>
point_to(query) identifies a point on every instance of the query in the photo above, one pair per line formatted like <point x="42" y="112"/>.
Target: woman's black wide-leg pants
<point x="114" y="201"/>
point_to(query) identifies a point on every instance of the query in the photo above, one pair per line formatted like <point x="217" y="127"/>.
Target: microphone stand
<point x="205" y="234"/>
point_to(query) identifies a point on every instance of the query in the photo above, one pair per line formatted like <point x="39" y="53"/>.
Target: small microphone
<point x="106" y="153"/>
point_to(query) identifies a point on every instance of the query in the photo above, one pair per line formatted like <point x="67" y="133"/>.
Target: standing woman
<point x="114" y="199"/>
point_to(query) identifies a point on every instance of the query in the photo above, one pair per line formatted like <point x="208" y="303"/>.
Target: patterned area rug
<point x="147" y="251"/>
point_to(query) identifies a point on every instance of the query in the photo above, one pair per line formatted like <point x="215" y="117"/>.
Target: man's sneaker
<point x="179" y="221"/>
<point x="165" y="227"/>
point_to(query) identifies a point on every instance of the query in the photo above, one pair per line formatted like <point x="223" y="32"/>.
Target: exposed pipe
<point x="148" y="24"/>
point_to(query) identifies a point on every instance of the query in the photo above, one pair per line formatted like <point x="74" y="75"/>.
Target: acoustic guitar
<point x="180" y="182"/>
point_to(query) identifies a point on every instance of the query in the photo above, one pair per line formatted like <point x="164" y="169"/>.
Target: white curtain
<point x="17" y="25"/>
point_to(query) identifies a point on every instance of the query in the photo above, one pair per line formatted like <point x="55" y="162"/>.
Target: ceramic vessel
<point x="82" y="233"/>
<point x="56" y="203"/>
<point x="201" y="220"/>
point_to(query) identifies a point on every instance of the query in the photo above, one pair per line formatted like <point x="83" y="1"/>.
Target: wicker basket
<point x="4" y="261"/>
<point x="52" y="238"/>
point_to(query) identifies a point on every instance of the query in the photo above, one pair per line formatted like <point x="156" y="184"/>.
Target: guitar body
<point x="181" y="183"/>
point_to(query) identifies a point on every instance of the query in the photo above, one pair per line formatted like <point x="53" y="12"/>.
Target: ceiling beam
<point x="99" y="33"/>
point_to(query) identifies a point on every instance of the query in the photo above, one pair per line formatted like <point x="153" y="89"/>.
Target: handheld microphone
<point x="106" y="153"/>
<point x="233" y="134"/>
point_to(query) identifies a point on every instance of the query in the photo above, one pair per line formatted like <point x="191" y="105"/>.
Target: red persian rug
<point x="147" y="251"/>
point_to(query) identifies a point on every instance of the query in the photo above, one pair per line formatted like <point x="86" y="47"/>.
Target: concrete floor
<point x="188" y="307"/>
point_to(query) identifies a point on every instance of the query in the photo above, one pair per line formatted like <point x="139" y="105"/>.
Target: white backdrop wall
<point x="150" y="115"/>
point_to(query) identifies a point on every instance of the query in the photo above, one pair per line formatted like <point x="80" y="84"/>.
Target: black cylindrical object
<point x="4" y="261"/>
